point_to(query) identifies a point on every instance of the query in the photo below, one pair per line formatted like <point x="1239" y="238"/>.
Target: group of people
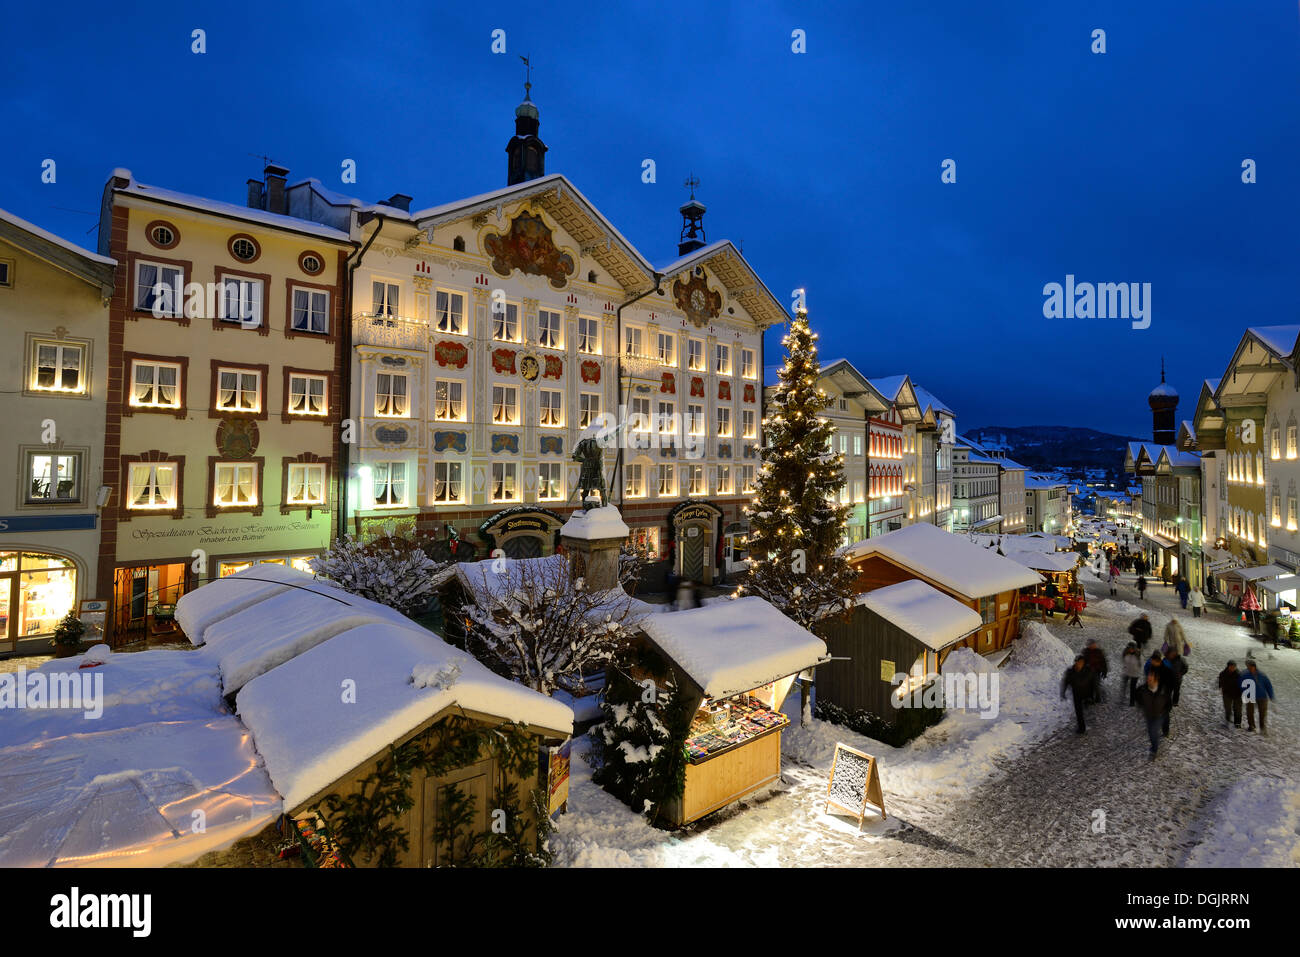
<point x="1189" y="595"/>
<point x="1154" y="683"/>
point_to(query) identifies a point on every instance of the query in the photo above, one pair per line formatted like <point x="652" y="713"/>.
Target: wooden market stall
<point x="1058" y="587"/>
<point x="736" y="661"/>
<point x="975" y="576"/>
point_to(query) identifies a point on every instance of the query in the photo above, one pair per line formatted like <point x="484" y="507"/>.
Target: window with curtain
<point x="306" y="483"/>
<point x="241" y="300"/>
<point x="307" y="394"/>
<point x="310" y="310"/>
<point x="390" y="394"/>
<point x="151" y="485"/>
<point x="450" y="311"/>
<point x="588" y="408"/>
<point x="239" y="390"/>
<point x="234" y="484"/>
<point x="58" y="367"/>
<point x="505" y="404"/>
<point x="385" y="299"/>
<point x="449" y="400"/>
<point x="389" y="479"/>
<point x="505" y="321"/>
<point x="551" y="410"/>
<point x="158" y="289"/>
<point x="588" y="335"/>
<point x="504" y="486"/>
<point x="447" y="481"/>
<point x="155" y="384"/>
<point x="548" y="329"/>
<point x="666" y="484"/>
<point x="550" y="481"/>
<point x="635" y="484"/>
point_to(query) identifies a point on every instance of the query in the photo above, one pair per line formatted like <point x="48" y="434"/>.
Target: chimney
<point x="254" y="194"/>
<point x="398" y="201"/>
<point x="276" y="199"/>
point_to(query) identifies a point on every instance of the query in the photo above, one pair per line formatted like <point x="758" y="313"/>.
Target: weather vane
<point x="691" y="183"/>
<point x="528" y="76"/>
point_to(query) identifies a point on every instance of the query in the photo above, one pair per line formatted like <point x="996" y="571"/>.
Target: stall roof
<point x="205" y="606"/>
<point x="1279" y="586"/>
<point x="734" y="646"/>
<point x="928" y="615"/>
<point x="948" y="559"/>
<point x="1259" y="572"/>
<point x="1047" y="561"/>
<point x="310" y="737"/>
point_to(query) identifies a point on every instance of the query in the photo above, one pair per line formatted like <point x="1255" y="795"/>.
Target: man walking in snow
<point x="1197" y="600"/>
<point x="1079" y="680"/>
<point x="1095" y="659"/>
<point x="1183" y="590"/>
<point x="1230" y="688"/>
<point x="1141" y="631"/>
<point x="1256" y="691"/>
<point x="1154" y="701"/>
<point x="1142" y="587"/>
<point x="1132" y="662"/>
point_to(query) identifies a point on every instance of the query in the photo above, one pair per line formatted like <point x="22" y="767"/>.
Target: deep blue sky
<point x="1117" y="167"/>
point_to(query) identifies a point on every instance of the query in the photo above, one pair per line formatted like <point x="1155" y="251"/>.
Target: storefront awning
<point x="1280" y="586"/>
<point x="1160" y="540"/>
<point x="1259" y="572"/>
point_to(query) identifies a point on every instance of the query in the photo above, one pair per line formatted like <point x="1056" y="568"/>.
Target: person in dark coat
<point x="1169" y="679"/>
<point x="1257" y="691"/>
<point x="1153" y="699"/>
<point x="1142" y="586"/>
<point x="1079" y="680"/>
<point x="1176" y="662"/>
<point x="1140" y="629"/>
<point x="1140" y="565"/>
<point x="1183" y="590"/>
<point x="1095" y="659"/>
<point x="1230" y="689"/>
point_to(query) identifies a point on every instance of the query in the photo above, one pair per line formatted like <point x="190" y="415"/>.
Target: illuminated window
<point x="449" y="312"/>
<point x="449" y="400"/>
<point x="632" y="341"/>
<point x="694" y="475"/>
<point x="667" y="348"/>
<point x="639" y="414"/>
<point x="550" y="481"/>
<point x="589" y="335"/>
<point x="505" y="321"/>
<point x="385" y="298"/>
<point x="748" y="369"/>
<point x="724" y="421"/>
<point x="151" y="485"/>
<point x="635" y="484"/>
<point x="747" y="479"/>
<point x="155" y="384"/>
<point x="58" y="367"/>
<point x="722" y="359"/>
<point x="505" y="404"/>
<point x="722" y="479"/>
<point x="447" y="481"/>
<point x="239" y="390"/>
<point x="667" y="482"/>
<point x="695" y="355"/>
<point x="390" y="394"/>
<point x="234" y="484"/>
<point x="588" y="408"/>
<point x="668" y="418"/>
<point x="695" y="419"/>
<point x="505" y="485"/>
<point x="548" y="329"/>
<point x="645" y="541"/>
<point x="307" y="394"/>
<point x="551" y="407"/>
<point x="857" y="445"/>
<point x="53" y="478"/>
<point x="748" y="428"/>
<point x="306" y="483"/>
<point x="388" y="481"/>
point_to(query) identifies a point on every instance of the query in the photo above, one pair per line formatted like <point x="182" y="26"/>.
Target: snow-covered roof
<point x="198" y="610"/>
<point x="931" y="617"/>
<point x="1044" y="561"/>
<point x="49" y="237"/>
<point x="947" y="559"/>
<point x="310" y="736"/>
<point x="1165" y="390"/>
<point x="733" y="646"/>
<point x="1260" y="572"/>
<point x="928" y="400"/>
<point x="229" y="210"/>
<point x="889" y="385"/>
<point x="744" y="283"/>
<point x="1280" y="339"/>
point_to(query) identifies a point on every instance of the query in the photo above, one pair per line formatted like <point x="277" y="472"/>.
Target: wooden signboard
<point x="557" y="784"/>
<point x="854" y="783"/>
<point x="91" y="613"/>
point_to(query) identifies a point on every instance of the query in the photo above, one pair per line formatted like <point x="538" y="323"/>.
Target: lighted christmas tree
<point x="796" y="520"/>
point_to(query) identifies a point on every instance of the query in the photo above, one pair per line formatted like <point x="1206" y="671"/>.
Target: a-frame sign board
<point x="854" y="783"/>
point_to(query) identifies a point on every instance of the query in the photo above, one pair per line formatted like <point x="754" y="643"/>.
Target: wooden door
<point x="464" y="794"/>
<point x="693" y="555"/>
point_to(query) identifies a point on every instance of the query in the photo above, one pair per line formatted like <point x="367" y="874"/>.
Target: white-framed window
<point x="551" y="407"/>
<point x="549" y="329"/>
<point x="667" y="481"/>
<point x="722" y="479"/>
<point x="239" y="390"/>
<point x="695" y="355"/>
<point x="155" y="384"/>
<point x="631" y="341"/>
<point x="449" y="311"/>
<point x="385" y="298"/>
<point x="311" y="310"/>
<point x="857" y="491"/>
<point x="550" y="481"/>
<point x="241" y="300"/>
<point x="306" y="483"/>
<point x="667" y="349"/>
<point x="234" y="484"/>
<point x="589" y="335"/>
<point x="748" y="368"/>
<point x="388" y="483"/>
<point x="722" y="359"/>
<point x="747" y="478"/>
<point x="158" y="289"/>
<point x="505" y="321"/>
<point x="844" y="444"/>
<point x="645" y="540"/>
<point x="307" y="394"/>
<point x="505" y="404"/>
<point x="635" y="485"/>
<point x="749" y="424"/>
<point x="58" y="367"/>
<point x="448" y="484"/>
<point x="695" y="419"/>
<point x="857" y="445"/>
<point x="151" y="485"/>
<point x="505" y="482"/>
<point x="1290" y="440"/>
<point x="53" y="478"/>
<point x="694" y="476"/>
<point x="667" y="424"/>
<point x="638" y="418"/>
<point x="588" y="408"/>
<point x="391" y="395"/>
<point x="449" y="400"/>
<point x="724" y="421"/>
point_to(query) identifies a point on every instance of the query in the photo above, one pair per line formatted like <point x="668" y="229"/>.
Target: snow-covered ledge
<point x="594" y="538"/>
<point x="594" y="524"/>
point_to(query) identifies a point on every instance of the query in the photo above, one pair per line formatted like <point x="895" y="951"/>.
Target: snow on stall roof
<point x="198" y="610"/>
<point x="948" y="559"/>
<point x="309" y="737"/>
<point x="734" y="646"/>
<point x="57" y="240"/>
<point x="931" y="617"/>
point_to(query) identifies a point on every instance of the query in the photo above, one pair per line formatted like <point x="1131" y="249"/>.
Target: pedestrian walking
<point x="1160" y="667"/>
<point x="1154" y="701"/>
<point x="1183" y="590"/>
<point x="1196" y="598"/>
<point x="1177" y="665"/>
<point x="1078" y="680"/>
<point x="1140" y="629"/>
<point x="1175" y="638"/>
<point x="1114" y="578"/>
<point x="1131" y="663"/>
<point x="1257" y="692"/>
<point x="1142" y="586"/>
<point x="1095" y="659"/>
<point x="1140" y="565"/>
<point x="1230" y="689"/>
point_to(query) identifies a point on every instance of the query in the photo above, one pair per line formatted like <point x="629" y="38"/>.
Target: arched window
<point x="1259" y="468"/>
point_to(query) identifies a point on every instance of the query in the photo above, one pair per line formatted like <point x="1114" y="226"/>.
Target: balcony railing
<point x="392" y="332"/>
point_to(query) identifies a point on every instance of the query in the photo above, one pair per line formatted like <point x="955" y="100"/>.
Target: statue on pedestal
<point x="591" y="479"/>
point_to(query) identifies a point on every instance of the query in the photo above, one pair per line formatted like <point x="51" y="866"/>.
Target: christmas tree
<point x="796" y="520"/>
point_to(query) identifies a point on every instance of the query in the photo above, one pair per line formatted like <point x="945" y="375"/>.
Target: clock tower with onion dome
<point x="1164" y="404"/>
<point x="526" y="152"/>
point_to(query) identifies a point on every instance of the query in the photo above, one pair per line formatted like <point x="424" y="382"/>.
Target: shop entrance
<point x="696" y="526"/>
<point x="522" y="531"/>
<point x="36" y="590"/>
<point x="142" y="595"/>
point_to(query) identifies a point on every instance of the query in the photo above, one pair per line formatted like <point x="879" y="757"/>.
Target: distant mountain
<point x="1049" y="446"/>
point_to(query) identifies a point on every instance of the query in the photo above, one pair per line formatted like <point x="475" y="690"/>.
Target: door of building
<point x="523" y="546"/>
<point x="456" y="809"/>
<point x="8" y="607"/>
<point x="693" y="551"/>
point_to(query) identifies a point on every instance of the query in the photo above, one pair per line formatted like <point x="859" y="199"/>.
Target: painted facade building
<point x="976" y="500"/>
<point x="54" y="300"/>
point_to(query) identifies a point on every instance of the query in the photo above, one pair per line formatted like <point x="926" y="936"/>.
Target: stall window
<point x="645" y="541"/>
<point x="988" y="610"/>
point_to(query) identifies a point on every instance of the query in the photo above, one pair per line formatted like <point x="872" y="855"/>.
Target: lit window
<point x="449" y="309"/>
<point x="504" y="482"/>
<point x="747" y="479"/>
<point x="588" y="408"/>
<point x="241" y="301"/>
<point x="667" y="418"/>
<point x="635" y="486"/>
<point x="234" y="484"/>
<point x="306" y="394"/>
<point x="748" y="369"/>
<point x="749" y="429"/>
<point x="448" y="400"/>
<point x="722" y="363"/>
<point x="390" y="394"/>
<point x="695" y="479"/>
<point x="306" y="483"/>
<point x="645" y="541"/>
<point x="550" y="407"/>
<point x="667" y="349"/>
<point x="158" y="289"/>
<point x="550" y="482"/>
<point x="724" y="421"/>
<point x="389" y="484"/>
<point x="695" y="419"/>
<point x="639" y="414"/>
<point x="722" y="479"/>
<point x="505" y="321"/>
<point x="505" y="404"/>
<point x="58" y="367"/>
<point x="155" y="384"/>
<point x="151" y="485"/>
<point x="385" y="298"/>
<point x="589" y="335"/>
<point x="667" y="485"/>
<point x="632" y="341"/>
<point x="447" y="484"/>
<point x="695" y="355"/>
<point x="857" y="445"/>
<point x="239" y="390"/>
<point x="548" y="329"/>
<point x="53" y="477"/>
<point x="310" y="310"/>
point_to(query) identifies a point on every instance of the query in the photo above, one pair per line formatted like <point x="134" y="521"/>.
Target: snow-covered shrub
<point x="910" y="722"/>
<point x="392" y="571"/>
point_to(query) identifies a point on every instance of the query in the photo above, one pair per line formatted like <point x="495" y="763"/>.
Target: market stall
<point x="735" y="661"/>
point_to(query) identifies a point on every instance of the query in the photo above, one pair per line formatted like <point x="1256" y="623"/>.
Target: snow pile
<point x="1253" y="824"/>
<point x="198" y="610"/>
<point x="964" y="661"/>
<point x="1039" y="648"/>
<point x="928" y="615"/>
<point x="438" y="676"/>
<point x="734" y="646"/>
<point x="596" y="523"/>
<point x="96" y="654"/>
<point x="1113" y="606"/>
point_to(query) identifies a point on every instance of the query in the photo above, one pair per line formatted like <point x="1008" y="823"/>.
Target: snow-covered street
<point x="1021" y="789"/>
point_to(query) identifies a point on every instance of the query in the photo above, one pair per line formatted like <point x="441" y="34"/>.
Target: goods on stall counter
<point x="317" y="849"/>
<point x="720" y="725"/>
